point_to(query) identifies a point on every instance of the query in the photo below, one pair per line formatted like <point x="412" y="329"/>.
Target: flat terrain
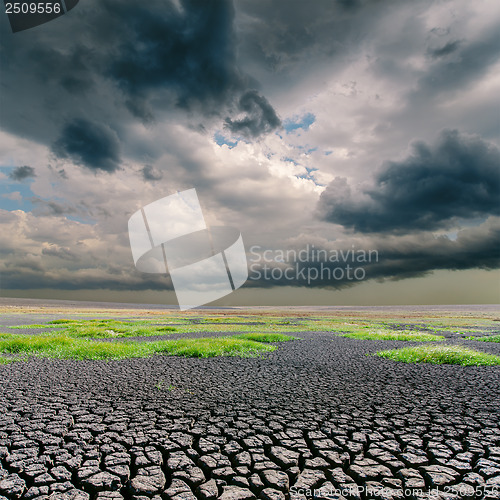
<point x="320" y="415"/>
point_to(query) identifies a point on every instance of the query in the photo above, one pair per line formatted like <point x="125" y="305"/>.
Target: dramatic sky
<point x="337" y="125"/>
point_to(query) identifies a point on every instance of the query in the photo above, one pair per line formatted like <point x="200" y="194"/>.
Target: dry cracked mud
<point x="316" y="417"/>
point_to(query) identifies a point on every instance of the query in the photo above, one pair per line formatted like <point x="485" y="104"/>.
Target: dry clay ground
<point x="315" y="417"/>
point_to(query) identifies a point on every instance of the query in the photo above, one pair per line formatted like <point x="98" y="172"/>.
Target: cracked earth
<point x="316" y="417"/>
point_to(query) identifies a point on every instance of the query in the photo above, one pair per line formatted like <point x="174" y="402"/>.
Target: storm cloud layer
<point x="342" y="264"/>
<point x="188" y="49"/>
<point x="343" y="124"/>
<point x="132" y="61"/>
<point x="457" y="177"/>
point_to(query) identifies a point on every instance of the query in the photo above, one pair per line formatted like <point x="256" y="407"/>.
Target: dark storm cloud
<point x="71" y="71"/>
<point x="260" y="116"/>
<point x="25" y="272"/>
<point x="391" y="258"/>
<point x="89" y="144"/>
<point x="474" y="248"/>
<point x="21" y="173"/>
<point x="396" y="259"/>
<point x="149" y="173"/>
<point x="190" y="50"/>
<point x="457" y="177"/>
<point x="191" y="53"/>
<point x="149" y="57"/>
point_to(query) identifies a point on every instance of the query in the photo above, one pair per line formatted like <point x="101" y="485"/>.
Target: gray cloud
<point x="457" y="177"/>
<point x="260" y="116"/>
<point x="393" y="258"/>
<point x="279" y="35"/>
<point x="470" y="61"/>
<point x="72" y="71"/>
<point x="49" y="208"/>
<point x="396" y="258"/>
<point x="149" y="173"/>
<point x="92" y="145"/>
<point x="59" y="252"/>
<point x="447" y="49"/>
<point x="21" y="173"/>
<point x="28" y="275"/>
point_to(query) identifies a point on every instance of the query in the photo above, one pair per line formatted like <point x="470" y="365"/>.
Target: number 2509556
<point x="33" y="8"/>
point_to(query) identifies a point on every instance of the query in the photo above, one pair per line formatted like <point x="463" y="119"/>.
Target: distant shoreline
<point x="6" y="302"/>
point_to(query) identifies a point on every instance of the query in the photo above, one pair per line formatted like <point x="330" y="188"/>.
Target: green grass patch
<point x="65" y="347"/>
<point x="439" y="355"/>
<point x="404" y="335"/>
<point x="211" y="347"/>
<point x="62" y="321"/>
<point x="5" y="361"/>
<point x="491" y="338"/>
<point x="265" y="337"/>
<point x="108" y="328"/>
